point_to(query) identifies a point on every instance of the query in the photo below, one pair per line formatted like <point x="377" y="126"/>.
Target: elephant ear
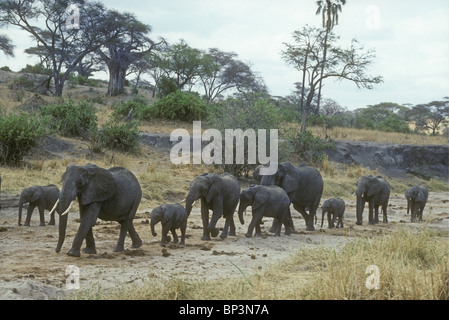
<point x="373" y="187"/>
<point x="214" y="187"/>
<point x="101" y="185"/>
<point x="37" y="194"/>
<point x="260" y="199"/>
<point x="290" y="177"/>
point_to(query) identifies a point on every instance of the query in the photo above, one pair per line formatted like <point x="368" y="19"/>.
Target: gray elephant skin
<point x="42" y="197"/>
<point x="416" y="201"/>
<point x="111" y="195"/>
<point x="172" y="217"/>
<point x="219" y="193"/>
<point x="266" y="201"/>
<point x="335" y="208"/>
<point x="375" y="191"/>
<point x="303" y="185"/>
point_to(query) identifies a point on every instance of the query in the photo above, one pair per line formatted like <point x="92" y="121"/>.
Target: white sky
<point x="410" y="38"/>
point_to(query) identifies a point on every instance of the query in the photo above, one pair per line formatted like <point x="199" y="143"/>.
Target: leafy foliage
<point x="18" y="134"/>
<point x="123" y="137"/>
<point x="245" y="111"/>
<point x="184" y="106"/>
<point x="70" y="118"/>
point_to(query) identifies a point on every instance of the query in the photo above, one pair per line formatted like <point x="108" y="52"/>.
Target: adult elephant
<point x="42" y="197"/>
<point x="375" y="191"/>
<point x="416" y="201"/>
<point x="219" y="193"/>
<point x="111" y="195"/>
<point x="303" y="185"/>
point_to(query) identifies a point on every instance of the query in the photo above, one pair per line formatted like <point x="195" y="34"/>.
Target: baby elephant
<point x="335" y="207"/>
<point x="172" y="217"/>
<point x="416" y="201"/>
<point x="42" y="197"/>
<point x="268" y="201"/>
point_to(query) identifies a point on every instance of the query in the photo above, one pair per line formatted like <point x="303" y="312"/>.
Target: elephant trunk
<point x="190" y="200"/>
<point x="241" y="209"/>
<point x="62" y="229"/>
<point x="322" y="218"/>
<point x="152" y="224"/>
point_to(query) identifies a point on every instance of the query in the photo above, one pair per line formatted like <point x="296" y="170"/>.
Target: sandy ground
<point x="31" y="269"/>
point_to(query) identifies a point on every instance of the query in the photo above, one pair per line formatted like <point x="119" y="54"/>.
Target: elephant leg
<point x="254" y="221"/>
<point x="29" y="213"/>
<point x="376" y="214"/>
<point x="330" y="220"/>
<point x="41" y="208"/>
<point x="183" y="233"/>
<point x="370" y="214"/>
<point x="205" y="220"/>
<point x="90" y="243"/>
<point x="384" y="212"/>
<point x="232" y="227"/>
<point x="175" y="236"/>
<point x="136" y="241"/>
<point x="52" y="220"/>
<point x="89" y="215"/>
<point x="412" y="207"/>
<point x="308" y="218"/>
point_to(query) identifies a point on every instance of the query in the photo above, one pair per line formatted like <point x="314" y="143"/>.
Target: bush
<point x="248" y="111"/>
<point x="137" y="107"/>
<point x="123" y="137"/>
<point x="184" y="106"/>
<point x="70" y="118"/>
<point x="18" y="134"/>
<point x="310" y="149"/>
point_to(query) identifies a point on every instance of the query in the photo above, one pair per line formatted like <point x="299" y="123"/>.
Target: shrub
<point x="184" y="106"/>
<point x="18" y="134"/>
<point x="248" y="111"/>
<point x="137" y="106"/>
<point x="309" y="148"/>
<point x="123" y="137"/>
<point x="70" y="118"/>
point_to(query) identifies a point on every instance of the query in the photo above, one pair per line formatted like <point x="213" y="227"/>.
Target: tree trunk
<point x="117" y="74"/>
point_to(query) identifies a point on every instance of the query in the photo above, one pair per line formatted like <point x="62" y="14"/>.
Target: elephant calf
<point x="268" y="201"/>
<point x="416" y="201"/>
<point x="172" y="217"/>
<point x="42" y="197"/>
<point x="335" y="208"/>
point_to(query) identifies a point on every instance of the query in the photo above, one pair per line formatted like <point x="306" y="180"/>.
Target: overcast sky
<point x="410" y="38"/>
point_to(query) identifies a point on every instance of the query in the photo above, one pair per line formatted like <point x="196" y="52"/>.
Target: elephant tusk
<point x="68" y="209"/>
<point x="54" y="207"/>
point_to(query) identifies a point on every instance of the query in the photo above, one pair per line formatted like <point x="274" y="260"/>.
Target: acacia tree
<point x="429" y="116"/>
<point x="63" y="41"/>
<point x="342" y="64"/>
<point x="221" y="71"/>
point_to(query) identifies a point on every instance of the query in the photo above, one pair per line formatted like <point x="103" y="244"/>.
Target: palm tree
<point x="329" y="10"/>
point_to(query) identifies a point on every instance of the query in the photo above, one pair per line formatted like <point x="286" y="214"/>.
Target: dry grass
<point x="412" y="266"/>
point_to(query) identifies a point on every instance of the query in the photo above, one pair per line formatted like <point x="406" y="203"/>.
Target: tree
<point x="341" y="64"/>
<point x="130" y="45"/>
<point x="329" y="10"/>
<point x="221" y="71"/>
<point x="386" y="116"/>
<point x="182" y="63"/>
<point x="6" y="46"/>
<point x="63" y="40"/>
<point x="429" y="116"/>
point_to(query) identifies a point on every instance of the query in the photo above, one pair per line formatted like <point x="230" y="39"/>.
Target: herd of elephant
<point x="115" y="194"/>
